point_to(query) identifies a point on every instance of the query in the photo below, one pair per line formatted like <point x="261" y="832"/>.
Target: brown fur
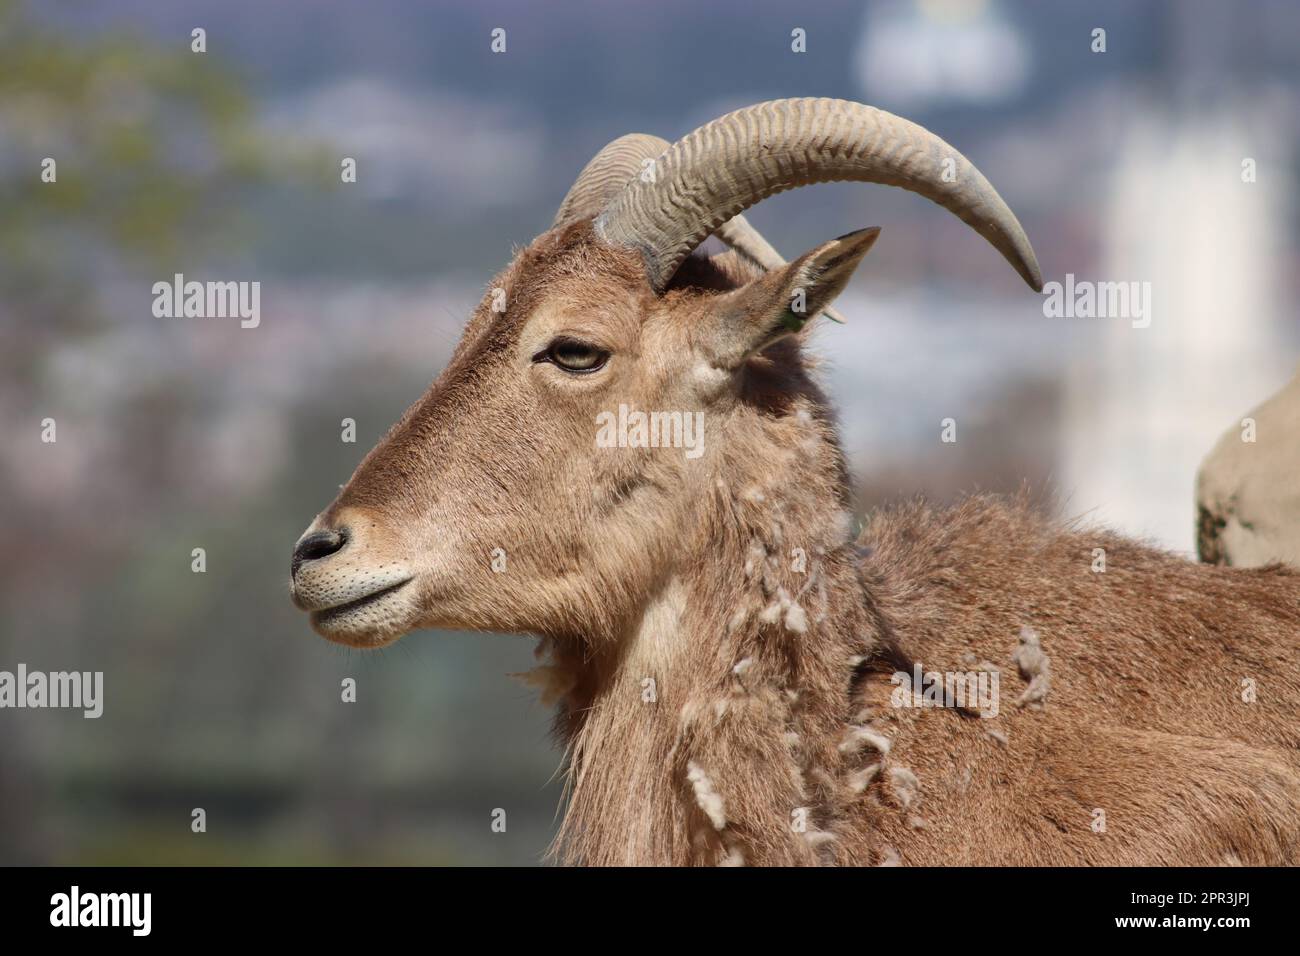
<point x="720" y="645"/>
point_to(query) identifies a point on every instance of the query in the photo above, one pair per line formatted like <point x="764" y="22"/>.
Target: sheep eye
<point x="574" y="356"/>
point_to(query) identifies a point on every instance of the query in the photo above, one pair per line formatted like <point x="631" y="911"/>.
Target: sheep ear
<point x="781" y="302"/>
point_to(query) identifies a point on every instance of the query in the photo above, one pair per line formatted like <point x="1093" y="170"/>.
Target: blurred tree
<point x="155" y="152"/>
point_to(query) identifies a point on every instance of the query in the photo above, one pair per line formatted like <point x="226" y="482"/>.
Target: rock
<point x="1248" y="493"/>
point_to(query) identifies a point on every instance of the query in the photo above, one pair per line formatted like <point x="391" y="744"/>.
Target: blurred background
<point x="174" y="434"/>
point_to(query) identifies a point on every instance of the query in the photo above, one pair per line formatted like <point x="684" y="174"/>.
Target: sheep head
<point x="522" y="492"/>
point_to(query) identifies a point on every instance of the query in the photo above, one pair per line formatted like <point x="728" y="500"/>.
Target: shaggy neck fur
<point x="714" y="731"/>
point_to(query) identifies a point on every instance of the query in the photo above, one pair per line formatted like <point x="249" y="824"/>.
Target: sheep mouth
<point x="328" y="615"/>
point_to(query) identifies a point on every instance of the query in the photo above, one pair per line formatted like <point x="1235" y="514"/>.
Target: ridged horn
<point x="721" y="169"/>
<point x="605" y="176"/>
<point x="622" y="160"/>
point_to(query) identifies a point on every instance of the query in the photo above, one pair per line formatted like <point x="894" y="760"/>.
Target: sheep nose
<point x="318" y="544"/>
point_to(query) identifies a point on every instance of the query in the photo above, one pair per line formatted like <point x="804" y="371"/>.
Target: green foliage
<point x="155" y="148"/>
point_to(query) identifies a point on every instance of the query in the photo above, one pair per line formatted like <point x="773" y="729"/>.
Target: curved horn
<point x="608" y="172"/>
<point x="622" y="160"/>
<point x="721" y="169"/>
